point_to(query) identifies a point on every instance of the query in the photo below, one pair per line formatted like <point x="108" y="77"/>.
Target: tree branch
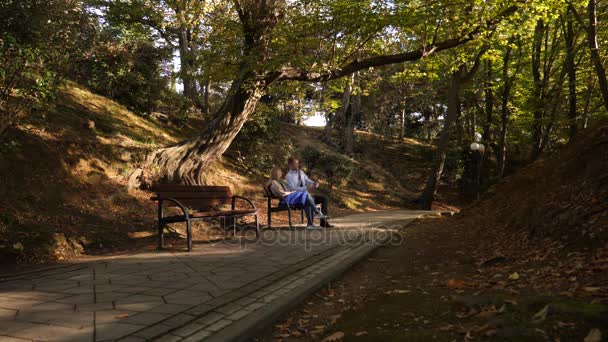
<point x="298" y="74"/>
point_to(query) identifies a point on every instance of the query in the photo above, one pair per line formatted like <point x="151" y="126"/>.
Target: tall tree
<point x="458" y="77"/>
<point x="259" y="68"/>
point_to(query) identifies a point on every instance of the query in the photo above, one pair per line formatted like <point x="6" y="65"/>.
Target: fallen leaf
<point x="514" y="276"/>
<point x="594" y="335"/>
<point x="338" y="335"/>
<point x="565" y="324"/>
<point x="591" y="289"/>
<point x="398" y="291"/>
<point x="124" y="315"/>
<point x="361" y="333"/>
<point x="541" y="315"/>
<point x="456" y="283"/>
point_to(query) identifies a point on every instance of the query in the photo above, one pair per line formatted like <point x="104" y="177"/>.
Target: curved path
<point x="222" y="291"/>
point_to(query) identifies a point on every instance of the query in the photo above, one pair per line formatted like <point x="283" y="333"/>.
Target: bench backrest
<point x="195" y="196"/>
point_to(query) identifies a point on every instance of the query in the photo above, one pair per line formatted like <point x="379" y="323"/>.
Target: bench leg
<point x="189" y="235"/>
<point x="161" y="225"/>
<point x="289" y="216"/>
<point x="269" y="218"/>
<point x="161" y="242"/>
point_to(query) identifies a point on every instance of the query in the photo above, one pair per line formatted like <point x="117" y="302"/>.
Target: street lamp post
<point x="478" y="152"/>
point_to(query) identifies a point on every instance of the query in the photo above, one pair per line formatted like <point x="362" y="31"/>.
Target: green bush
<point x="337" y="168"/>
<point x="310" y="157"/>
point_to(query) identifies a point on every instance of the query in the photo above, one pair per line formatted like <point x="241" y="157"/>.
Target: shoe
<point x="313" y="227"/>
<point x="327" y="225"/>
<point x="320" y="215"/>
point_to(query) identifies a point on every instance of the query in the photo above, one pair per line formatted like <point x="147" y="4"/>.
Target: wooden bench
<point x="281" y="206"/>
<point x="198" y="203"/>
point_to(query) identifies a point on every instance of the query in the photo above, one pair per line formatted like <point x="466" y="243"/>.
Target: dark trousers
<point x="324" y="201"/>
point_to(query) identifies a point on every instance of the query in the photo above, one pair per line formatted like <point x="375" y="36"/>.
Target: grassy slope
<point x="63" y="185"/>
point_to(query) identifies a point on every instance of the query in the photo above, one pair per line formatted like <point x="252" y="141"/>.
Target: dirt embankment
<point x="64" y="171"/>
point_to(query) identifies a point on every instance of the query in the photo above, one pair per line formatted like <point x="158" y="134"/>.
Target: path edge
<point x="252" y="324"/>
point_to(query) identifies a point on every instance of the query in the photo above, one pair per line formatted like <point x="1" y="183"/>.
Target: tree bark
<point x="355" y="110"/>
<point x="489" y="104"/>
<point x="595" y="51"/>
<point x="537" y="92"/>
<point x="504" y="113"/>
<point x="186" y="65"/>
<point x="571" y="69"/>
<point x="184" y="163"/>
<point x="453" y="101"/>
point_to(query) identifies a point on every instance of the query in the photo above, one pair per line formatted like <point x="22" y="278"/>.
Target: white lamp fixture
<point x="475" y="146"/>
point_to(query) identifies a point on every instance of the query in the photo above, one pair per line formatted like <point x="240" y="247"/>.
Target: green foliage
<point x="39" y="41"/>
<point x="127" y="71"/>
<point x="337" y="168"/>
<point x="259" y="144"/>
<point x="310" y="156"/>
<point x="8" y="146"/>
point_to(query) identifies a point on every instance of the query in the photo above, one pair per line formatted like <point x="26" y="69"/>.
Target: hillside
<point x="63" y="176"/>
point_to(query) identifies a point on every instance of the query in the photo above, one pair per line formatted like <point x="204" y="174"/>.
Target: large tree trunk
<point x="206" y="104"/>
<point x="186" y="65"/>
<point x="428" y="194"/>
<point x="339" y="118"/>
<point x="595" y="51"/>
<point x="355" y="110"/>
<point x="184" y="163"/>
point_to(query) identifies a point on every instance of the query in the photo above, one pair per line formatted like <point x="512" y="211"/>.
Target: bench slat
<point x="190" y="188"/>
<point x="191" y="195"/>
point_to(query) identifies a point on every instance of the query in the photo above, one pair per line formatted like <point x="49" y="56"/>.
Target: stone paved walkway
<point x="219" y="291"/>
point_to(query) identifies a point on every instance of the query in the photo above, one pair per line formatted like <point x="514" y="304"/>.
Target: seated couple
<point x="294" y="190"/>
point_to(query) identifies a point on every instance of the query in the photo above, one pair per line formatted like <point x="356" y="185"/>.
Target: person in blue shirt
<point x="295" y="199"/>
<point x="298" y="181"/>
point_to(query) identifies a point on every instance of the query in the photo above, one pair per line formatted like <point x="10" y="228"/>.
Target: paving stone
<point x="153" y="331"/>
<point x="112" y="331"/>
<point x="137" y="306"/>
<point x="170" y="308"/>
<point x="60" y="318"/>
<point x="197" y="337"/>
<point x="16" y="303"/>
<point x="112" y="316"/>
<point x="239" y="314"/>
<point x="136" y="298"/>
<point x="189" y="300"/>
<point x="34" y="295"/>
<point x="168" y="338"/>
<point x="110" y="296"/>
<point x="7" y="313"/>
<point x="187" y="329"/>
<point x="209" y="318"/>
<point x="179" y="319"/>
<point x="94" y="307"/>
<point x="78" y="299"/>
<point x="132" y="339"/>
<point x="219" y="325"/>
<point x="10" y="327"/>
<point x="12" y="339"/>
<point x="146" y="318"/>
<point x="43" y="332"/>
<point x="254" y="306"/>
